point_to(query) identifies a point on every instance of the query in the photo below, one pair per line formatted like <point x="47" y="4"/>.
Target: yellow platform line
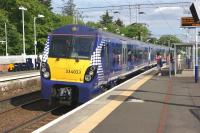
<point x="91" y="122"/>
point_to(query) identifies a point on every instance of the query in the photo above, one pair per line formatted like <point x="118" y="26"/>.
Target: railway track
<point x="41" y="120"/>
<point x="27" y="112"/>
<point x="21" y="115"/>
<point x="17" y="101"/>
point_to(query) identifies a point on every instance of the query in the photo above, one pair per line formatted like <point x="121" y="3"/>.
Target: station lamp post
<point x="23" y="9"/>
<point x="35" y="34"/>
<point x="6" y="39"/>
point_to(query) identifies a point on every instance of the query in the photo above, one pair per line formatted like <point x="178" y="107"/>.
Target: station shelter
<point x="184" y="57"/>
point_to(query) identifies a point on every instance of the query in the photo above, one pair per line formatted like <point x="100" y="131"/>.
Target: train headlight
<point x="90" y="73"/>
<point x="88" y="78"/>
<point x="45" y="71"/>
<point x="46" y="75"/>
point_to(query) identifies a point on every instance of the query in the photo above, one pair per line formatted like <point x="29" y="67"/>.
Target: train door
<point x="149" y="55"/>
<point x="124" y="55"/>
<point x="106" y="60"/>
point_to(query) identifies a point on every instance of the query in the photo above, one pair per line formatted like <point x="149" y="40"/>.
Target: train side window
<point x="117" y="57"/>
<point x="130" y="54"/>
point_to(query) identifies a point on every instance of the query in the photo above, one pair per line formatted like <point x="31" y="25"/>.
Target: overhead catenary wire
<point x="150" y="5"/>
<point x="129" y="6"/>
<point x="126" y="6"/>
<point x="163" y="17"/>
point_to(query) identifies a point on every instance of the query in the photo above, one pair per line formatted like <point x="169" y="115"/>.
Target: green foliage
<point x="168" y="39"/>
<point x="106" y="19"/>
<point x="46" y="3"/>
<point x="136" y="31"/>
<point x="152" y="40"/>
<point x="119" y="22"/>
<point x="93" y="25"/>
<point x="10" y="14"/>
<point x="69" y="8"/>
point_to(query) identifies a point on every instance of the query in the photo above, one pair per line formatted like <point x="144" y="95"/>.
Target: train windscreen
<point x="71" y="46"/>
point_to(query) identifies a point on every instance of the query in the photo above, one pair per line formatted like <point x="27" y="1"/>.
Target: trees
<point x="10" y="13"/>
<point x="166" y="39"/>
<point x="46" y="3"/>
<point x="136" y="31"/>
<point x="152" y="40"/>
<point x="106" y="19"/>
<point x="119" y="22"/>
<point x="93" y="24"/>
<point x="69" y="8"/>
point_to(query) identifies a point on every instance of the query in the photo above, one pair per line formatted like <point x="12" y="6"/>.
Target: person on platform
<point x="38" y="61"/>
<point x="159" y="63"/>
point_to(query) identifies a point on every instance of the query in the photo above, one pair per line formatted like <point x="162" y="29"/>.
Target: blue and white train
<point x="78" y="61"/>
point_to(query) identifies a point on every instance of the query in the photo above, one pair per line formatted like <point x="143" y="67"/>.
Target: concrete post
<point x="196" y="59"/>
<point x="175" y="60"/>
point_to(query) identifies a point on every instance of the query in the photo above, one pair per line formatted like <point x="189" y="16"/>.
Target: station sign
<point x="189" y="21"/>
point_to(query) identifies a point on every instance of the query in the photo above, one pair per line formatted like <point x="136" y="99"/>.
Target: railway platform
<point x="6" y="76"/>
<point x="145" y="104"/>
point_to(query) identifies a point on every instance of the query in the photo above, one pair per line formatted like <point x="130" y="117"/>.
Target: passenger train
<point x="79" y="61"/>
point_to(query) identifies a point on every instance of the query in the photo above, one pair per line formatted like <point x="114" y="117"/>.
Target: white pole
<point x="76" y="17"/>
<point x="35" y="31"/>
<point x="24" y="51"/>
<point x="35" y="40"/>
<point x="175" y="60"/>
<point x="196" y="55"/>
<point x="193" y="56"/>
<point x="170" y="64"/>
<point x="24" y="48"/>
<point x="73" y="17"/>
<point x="136" y="15"/>
<point x="196" y="43"/>
<point x="130" y="16"/>
<point x="6" y="39"/>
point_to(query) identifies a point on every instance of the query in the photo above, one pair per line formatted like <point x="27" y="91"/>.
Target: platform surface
<point x="146" y="104"/>
<point x="5" y="76"/>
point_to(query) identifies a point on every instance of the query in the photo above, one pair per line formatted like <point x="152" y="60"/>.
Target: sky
<point x="161" y="20"/>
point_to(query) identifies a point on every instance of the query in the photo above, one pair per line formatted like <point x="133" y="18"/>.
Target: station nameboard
<point x="188" y="21"/>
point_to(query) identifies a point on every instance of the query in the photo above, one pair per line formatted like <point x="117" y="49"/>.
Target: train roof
<point x="75" y="29"/>
<point x="88" y="31"/>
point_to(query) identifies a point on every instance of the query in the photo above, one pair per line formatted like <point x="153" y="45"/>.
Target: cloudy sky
<point x="161" y="20"/>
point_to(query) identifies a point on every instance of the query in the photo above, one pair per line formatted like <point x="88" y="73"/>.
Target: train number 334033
<point x="73" y="71"/>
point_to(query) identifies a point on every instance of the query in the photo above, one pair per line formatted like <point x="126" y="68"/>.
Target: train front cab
<point x="67" y="75"/>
